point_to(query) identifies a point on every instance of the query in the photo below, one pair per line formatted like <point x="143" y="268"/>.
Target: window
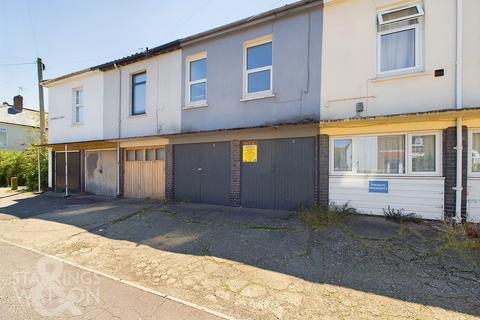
<point x="78" y="106"/>
<point x="3" y="137"/>
<point x="392" y="154"/>
<point x="130" y="155"/>
<point x="160" y="154"/>
<point x="197" y="80"/>
<point x="399" y="40"/>
<point x="395" y="15"/>
<point x="138" y="155"/>
<point x="382" y="154"/>
<point x="150" y="154"/>
<point x="342" y="155"/>
<point x="258" y="67"/>
<point x="139" y="86"/>
<point x="423" y="153"/>
<point x="475" y="153"/>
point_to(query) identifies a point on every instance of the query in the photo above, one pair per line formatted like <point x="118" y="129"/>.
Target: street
<point x="26" y="277"/>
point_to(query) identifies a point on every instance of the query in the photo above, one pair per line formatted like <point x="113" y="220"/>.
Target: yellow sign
<point x="249" y="152"/>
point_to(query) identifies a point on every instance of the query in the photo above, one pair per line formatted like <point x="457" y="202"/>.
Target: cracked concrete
<point x="258" y="264"/>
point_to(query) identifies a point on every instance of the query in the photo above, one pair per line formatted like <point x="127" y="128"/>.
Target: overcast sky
<point x="71" y="35"/>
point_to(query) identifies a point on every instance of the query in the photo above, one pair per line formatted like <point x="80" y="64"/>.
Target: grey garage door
<point x="73" y="171"/>
<point x="283" y="176"/>
<point x="202" y="172"/>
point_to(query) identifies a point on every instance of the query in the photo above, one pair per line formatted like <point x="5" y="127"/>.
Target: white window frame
<point x="438" y="153"/>
<point x="471" y="173"/>
<point x="246" y="46"/>
<point x="6" y="138"/>
<point x="418" y="51"/>
<point x="78" y="106"/>
<point x="408" y="153"/>
<point x="412" y="16"/>
<point x="332" y="156"/>
<point x="188" y="83"/>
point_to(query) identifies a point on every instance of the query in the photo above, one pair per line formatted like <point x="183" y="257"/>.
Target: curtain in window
<point x="398" y="50"/>
<point x="383" y="154"/>
<point x="343" y="155"/>
<point x="423" y="153"/>
<point x="476" y="152"/>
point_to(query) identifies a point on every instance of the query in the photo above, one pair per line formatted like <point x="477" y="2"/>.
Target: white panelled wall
<point x="473" y="199"/>
<point x="423" y="196"/>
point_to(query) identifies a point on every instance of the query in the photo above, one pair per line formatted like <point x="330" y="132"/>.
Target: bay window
<point x="387" y="154"/>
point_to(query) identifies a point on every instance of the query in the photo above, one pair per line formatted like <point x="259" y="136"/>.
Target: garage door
<point x="202" y="172"/>
<point x="101" y="172"/>
<point x="145" y="173"/>
<point x="283" y="176"/>
<point x="73" y="171"/>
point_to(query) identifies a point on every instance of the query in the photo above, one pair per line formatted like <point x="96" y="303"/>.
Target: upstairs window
<point x="139" y="91"/>
<point x="3" y="137"/>
<point x="258" y="67"/>
<point x="399" y="40"/>
<point x="197" y="80"/>
<point x="78" y="106"/>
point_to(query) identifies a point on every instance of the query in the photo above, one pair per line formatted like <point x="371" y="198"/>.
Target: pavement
<point x="255" y="264"/>
<point x="26" y="286"/>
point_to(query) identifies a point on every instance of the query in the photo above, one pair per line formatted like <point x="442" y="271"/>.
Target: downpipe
<point x="459" y="104"/>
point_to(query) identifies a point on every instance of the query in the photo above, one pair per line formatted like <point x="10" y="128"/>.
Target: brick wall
<point x="235" y="164"/>
<point x="323" y="170"/>
<point x="449" y="170"/>
<point x="169" y="178"/>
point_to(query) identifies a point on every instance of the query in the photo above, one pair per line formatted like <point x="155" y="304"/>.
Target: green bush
<point x="24" y="166"/>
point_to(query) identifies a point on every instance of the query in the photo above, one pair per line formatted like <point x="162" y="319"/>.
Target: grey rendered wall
<point x="297" y="47"/>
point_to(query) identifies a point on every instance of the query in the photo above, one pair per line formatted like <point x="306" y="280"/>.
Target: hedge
<point x="24" y="166"/>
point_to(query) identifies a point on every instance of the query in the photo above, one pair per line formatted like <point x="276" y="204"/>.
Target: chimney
<point x="18" y="103"/>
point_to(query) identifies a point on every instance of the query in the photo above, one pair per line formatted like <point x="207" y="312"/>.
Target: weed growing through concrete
<point x="399" y="215"/>
<point x="461" y="237"/>
<point x="316" y="217"/>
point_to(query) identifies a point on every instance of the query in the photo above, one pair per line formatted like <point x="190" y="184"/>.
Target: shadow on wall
<point x="369" y="254"/>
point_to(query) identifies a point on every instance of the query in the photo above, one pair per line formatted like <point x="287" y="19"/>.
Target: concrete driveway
<point x="258" y="264"/>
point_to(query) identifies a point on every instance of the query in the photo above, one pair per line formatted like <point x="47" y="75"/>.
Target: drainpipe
<point x="118" y="169"/>
<point x="459" y="105"/>
<point x="66" y="171"/>
<point x="119" y="124"/>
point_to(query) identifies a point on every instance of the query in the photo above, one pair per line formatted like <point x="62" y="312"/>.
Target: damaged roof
<point x="27" y="117"/>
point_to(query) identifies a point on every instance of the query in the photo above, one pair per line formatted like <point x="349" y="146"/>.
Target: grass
<point x="399" y="215"/>
<point x="316" y="217"/>
<point x="463" y="237"/>
<point x="266" y="227"/>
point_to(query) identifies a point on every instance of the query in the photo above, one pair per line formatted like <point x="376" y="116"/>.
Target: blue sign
<point x="377" y="186"/>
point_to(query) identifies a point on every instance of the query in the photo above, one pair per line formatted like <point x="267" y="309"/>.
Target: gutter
<point x="458" y="104"/>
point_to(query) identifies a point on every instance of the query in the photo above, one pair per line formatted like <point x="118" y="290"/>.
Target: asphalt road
<point x="33" y="286"/>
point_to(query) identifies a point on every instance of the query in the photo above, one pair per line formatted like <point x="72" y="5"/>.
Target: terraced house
<point x="372" y="102"/>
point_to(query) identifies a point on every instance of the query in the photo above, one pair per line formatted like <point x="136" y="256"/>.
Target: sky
<point x="72" y="35"/>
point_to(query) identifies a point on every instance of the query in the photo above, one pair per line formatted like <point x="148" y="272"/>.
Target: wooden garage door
<point x="101" y="172"/>
<point x="202" y="172"/>
<point x="145" y="173"/>
<point x="283" y="177"/>
<point x="73" y="171"/>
